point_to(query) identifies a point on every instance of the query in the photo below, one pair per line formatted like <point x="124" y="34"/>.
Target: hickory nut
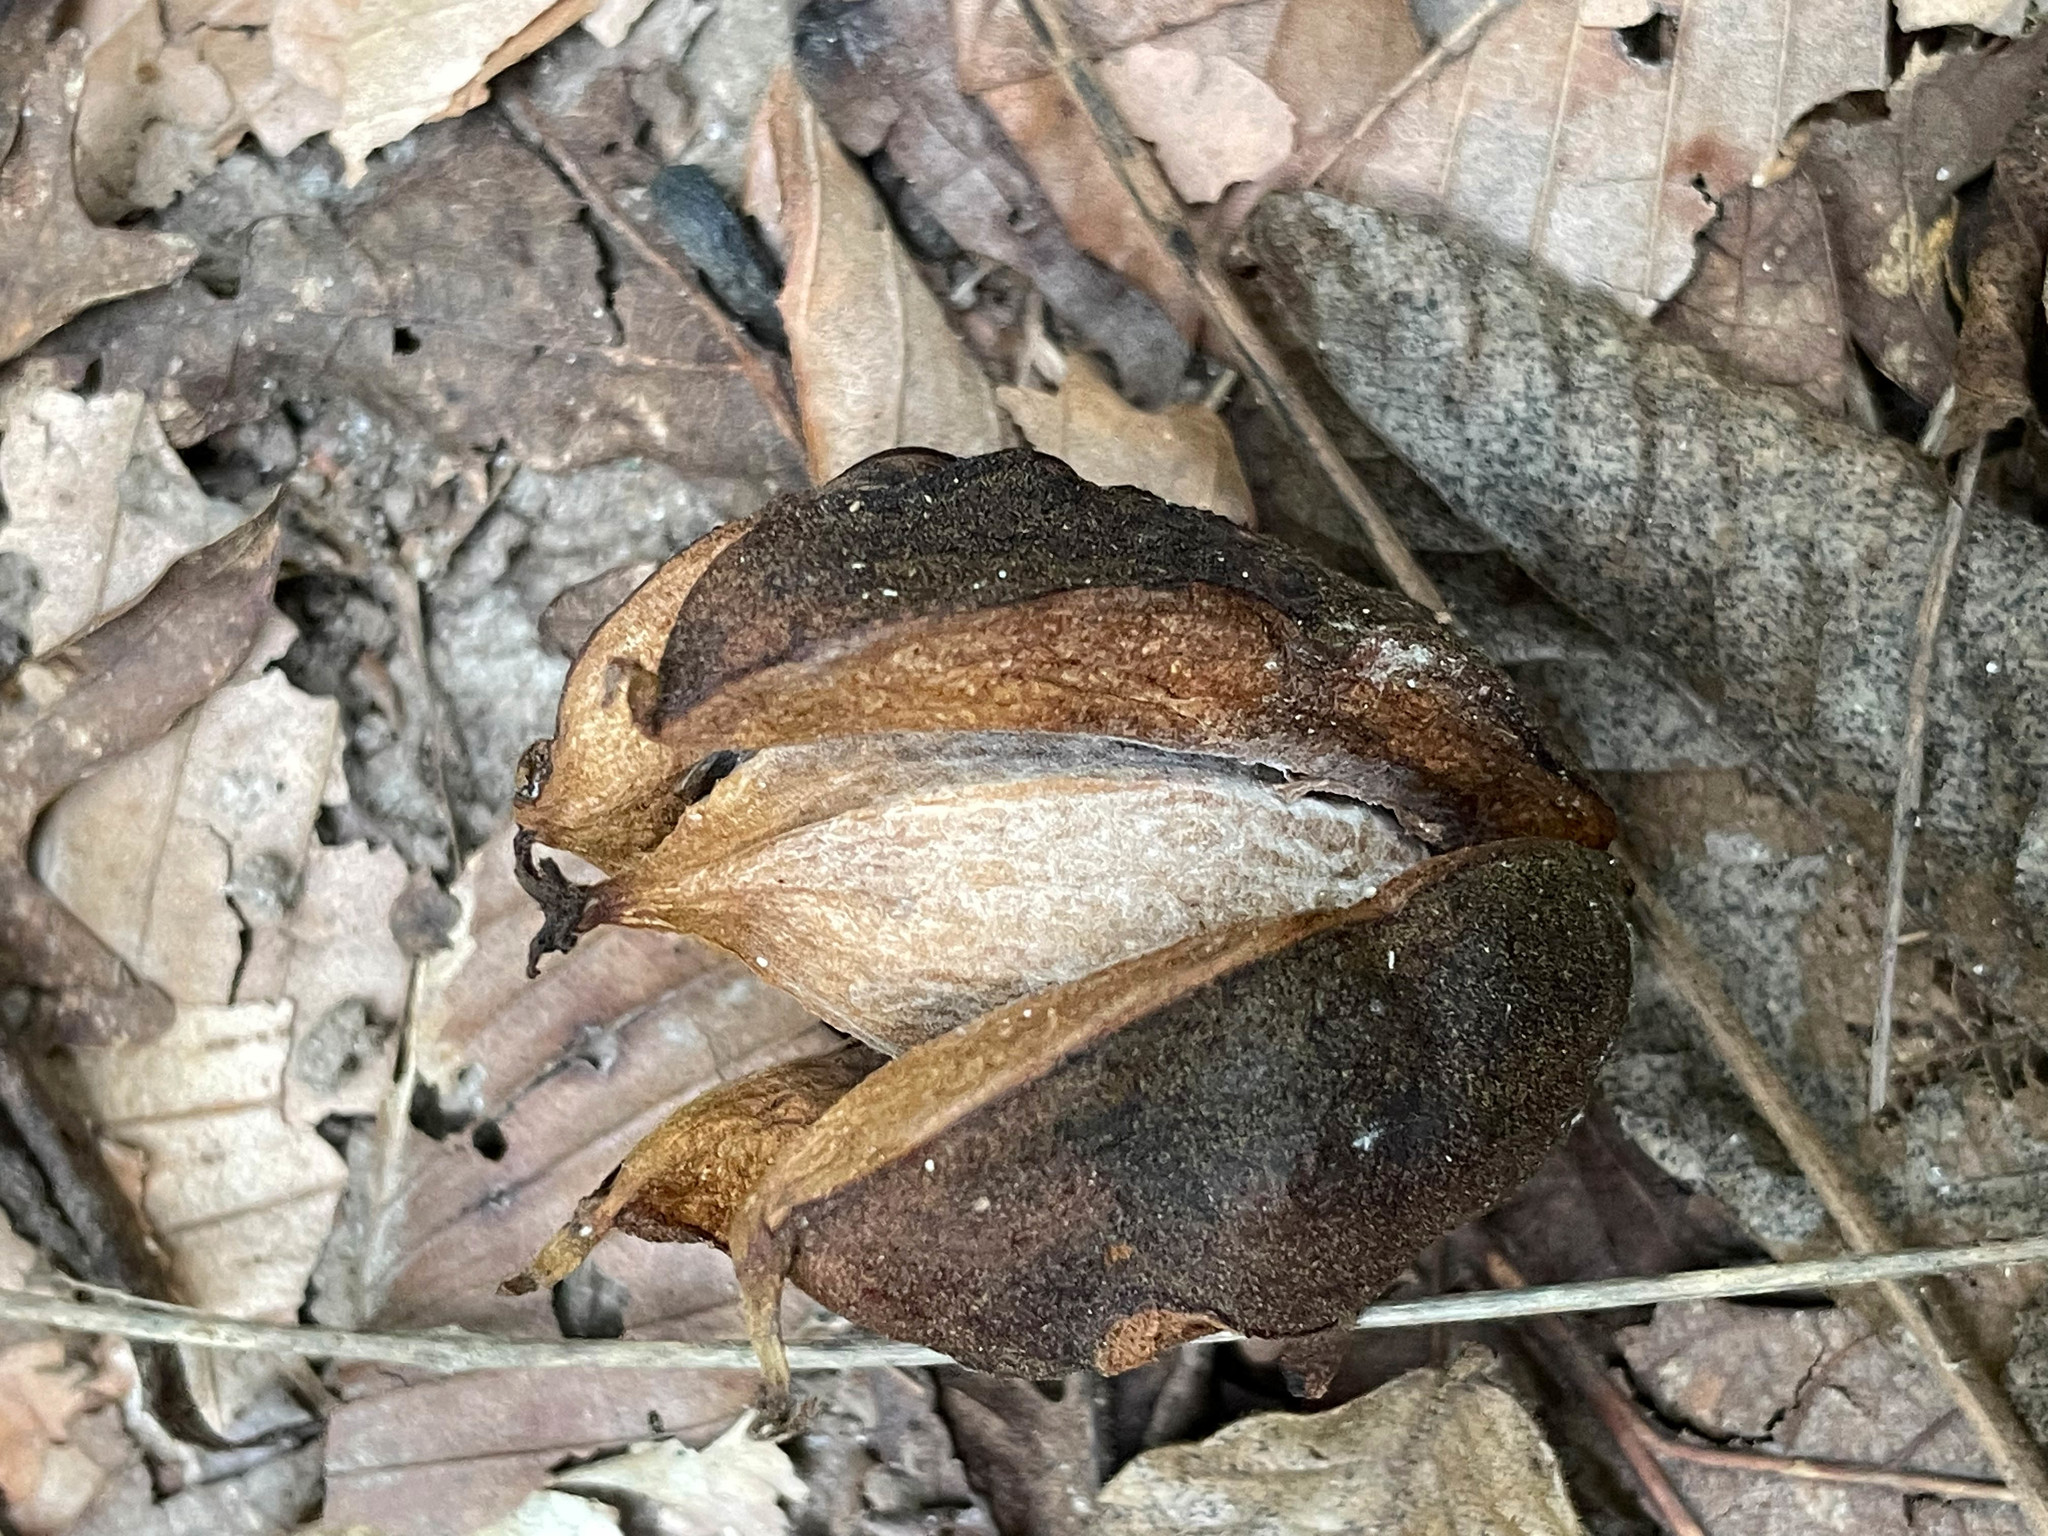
<point x="1217" y="930"/>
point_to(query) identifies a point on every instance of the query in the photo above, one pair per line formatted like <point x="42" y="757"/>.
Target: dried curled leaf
<point x="1005" y="593"/>
<point x="985" y="867"/>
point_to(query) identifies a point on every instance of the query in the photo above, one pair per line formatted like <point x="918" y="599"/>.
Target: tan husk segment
<point x="684" y="1179"/>
<point x="985" y="867"/>
<point x="603" y="788"/>
<point x="1260" y="1125"/>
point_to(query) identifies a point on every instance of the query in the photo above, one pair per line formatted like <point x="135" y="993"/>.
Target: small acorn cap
<point x="1255" y="1129"/>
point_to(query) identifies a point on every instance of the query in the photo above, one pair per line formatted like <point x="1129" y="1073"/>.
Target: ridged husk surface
<point x="1005" y="594"/>
<point x="1225" y="930"/>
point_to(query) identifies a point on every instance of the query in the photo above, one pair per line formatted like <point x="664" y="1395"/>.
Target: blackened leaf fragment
<point x="1889" y="187"/>
<point x="2001" y="315"/>
<point x="562" y="902"/>
<point x="694" y="212"/>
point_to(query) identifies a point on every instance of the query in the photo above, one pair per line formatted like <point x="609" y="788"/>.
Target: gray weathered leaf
<point x="1431" y="1453"/>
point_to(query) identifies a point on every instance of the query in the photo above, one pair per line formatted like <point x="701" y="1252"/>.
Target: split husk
<point x="1228" y="931"/>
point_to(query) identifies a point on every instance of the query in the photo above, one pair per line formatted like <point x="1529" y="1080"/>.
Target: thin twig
<point x="746" y="356"/>
<point x="1927" y="1312"/>
<point x="1939" y="1485"/>
<point x="1913" y="762"/>
<point x="1256" y="359"/>
<point x="1609" y="1403"/>
<point x="452" y="1349"/>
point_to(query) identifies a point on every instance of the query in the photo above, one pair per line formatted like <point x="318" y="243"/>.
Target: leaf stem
<point x="1913" y="761"/>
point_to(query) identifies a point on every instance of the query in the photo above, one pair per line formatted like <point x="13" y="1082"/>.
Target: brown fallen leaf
<point x="1432" y="1451"/>
<point x="240" y="1198"/>
<point x="2002" y="300"/>
<point x="739" y="1481"/>
<point x="459" y="291"/>
<point x="1812" y="1382"/>
<point x="229" y="796"/>
<point x="1059" y="143"/>
<point x="1211" y="121"/>
<point x="1183" y="454"/>
<point x="1057" y="140"/>
<point x="187" y="858"/>
<point x="537" y="1090"/>
<point x="1889" y="187"/>
<point x="169" y="94"/>
<point x="58" y="262"/>
<point x="1332" y="60"/>
<point x="1555" y="138"/>
<point x="219" y="814"/>
<point x="117" y="688"/>
<point x="1007" y="72"/>
<point x="1033" y="1457"/>
<point x="882" y="75"/>
<point x="890" y="1417"/>
<point x="98" y="505"/>
<point x="876" y="364"/>
<point x="44" y="1480"/>
<point x="270" y="1498"/>
<point x="439" y="1456"/>
<point x="1764" y="295"/>
<point x="995" y="45"/>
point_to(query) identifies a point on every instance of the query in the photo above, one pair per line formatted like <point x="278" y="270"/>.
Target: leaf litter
<point x="364" y="356"/>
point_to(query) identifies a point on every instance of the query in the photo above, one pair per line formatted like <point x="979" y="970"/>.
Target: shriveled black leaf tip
<point x="562" y="901"/>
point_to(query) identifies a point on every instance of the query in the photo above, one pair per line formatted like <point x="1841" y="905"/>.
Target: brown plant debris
<point x="58" y="262"/>
<point x="118" y="687"/>
<point x="882" y="74"/>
